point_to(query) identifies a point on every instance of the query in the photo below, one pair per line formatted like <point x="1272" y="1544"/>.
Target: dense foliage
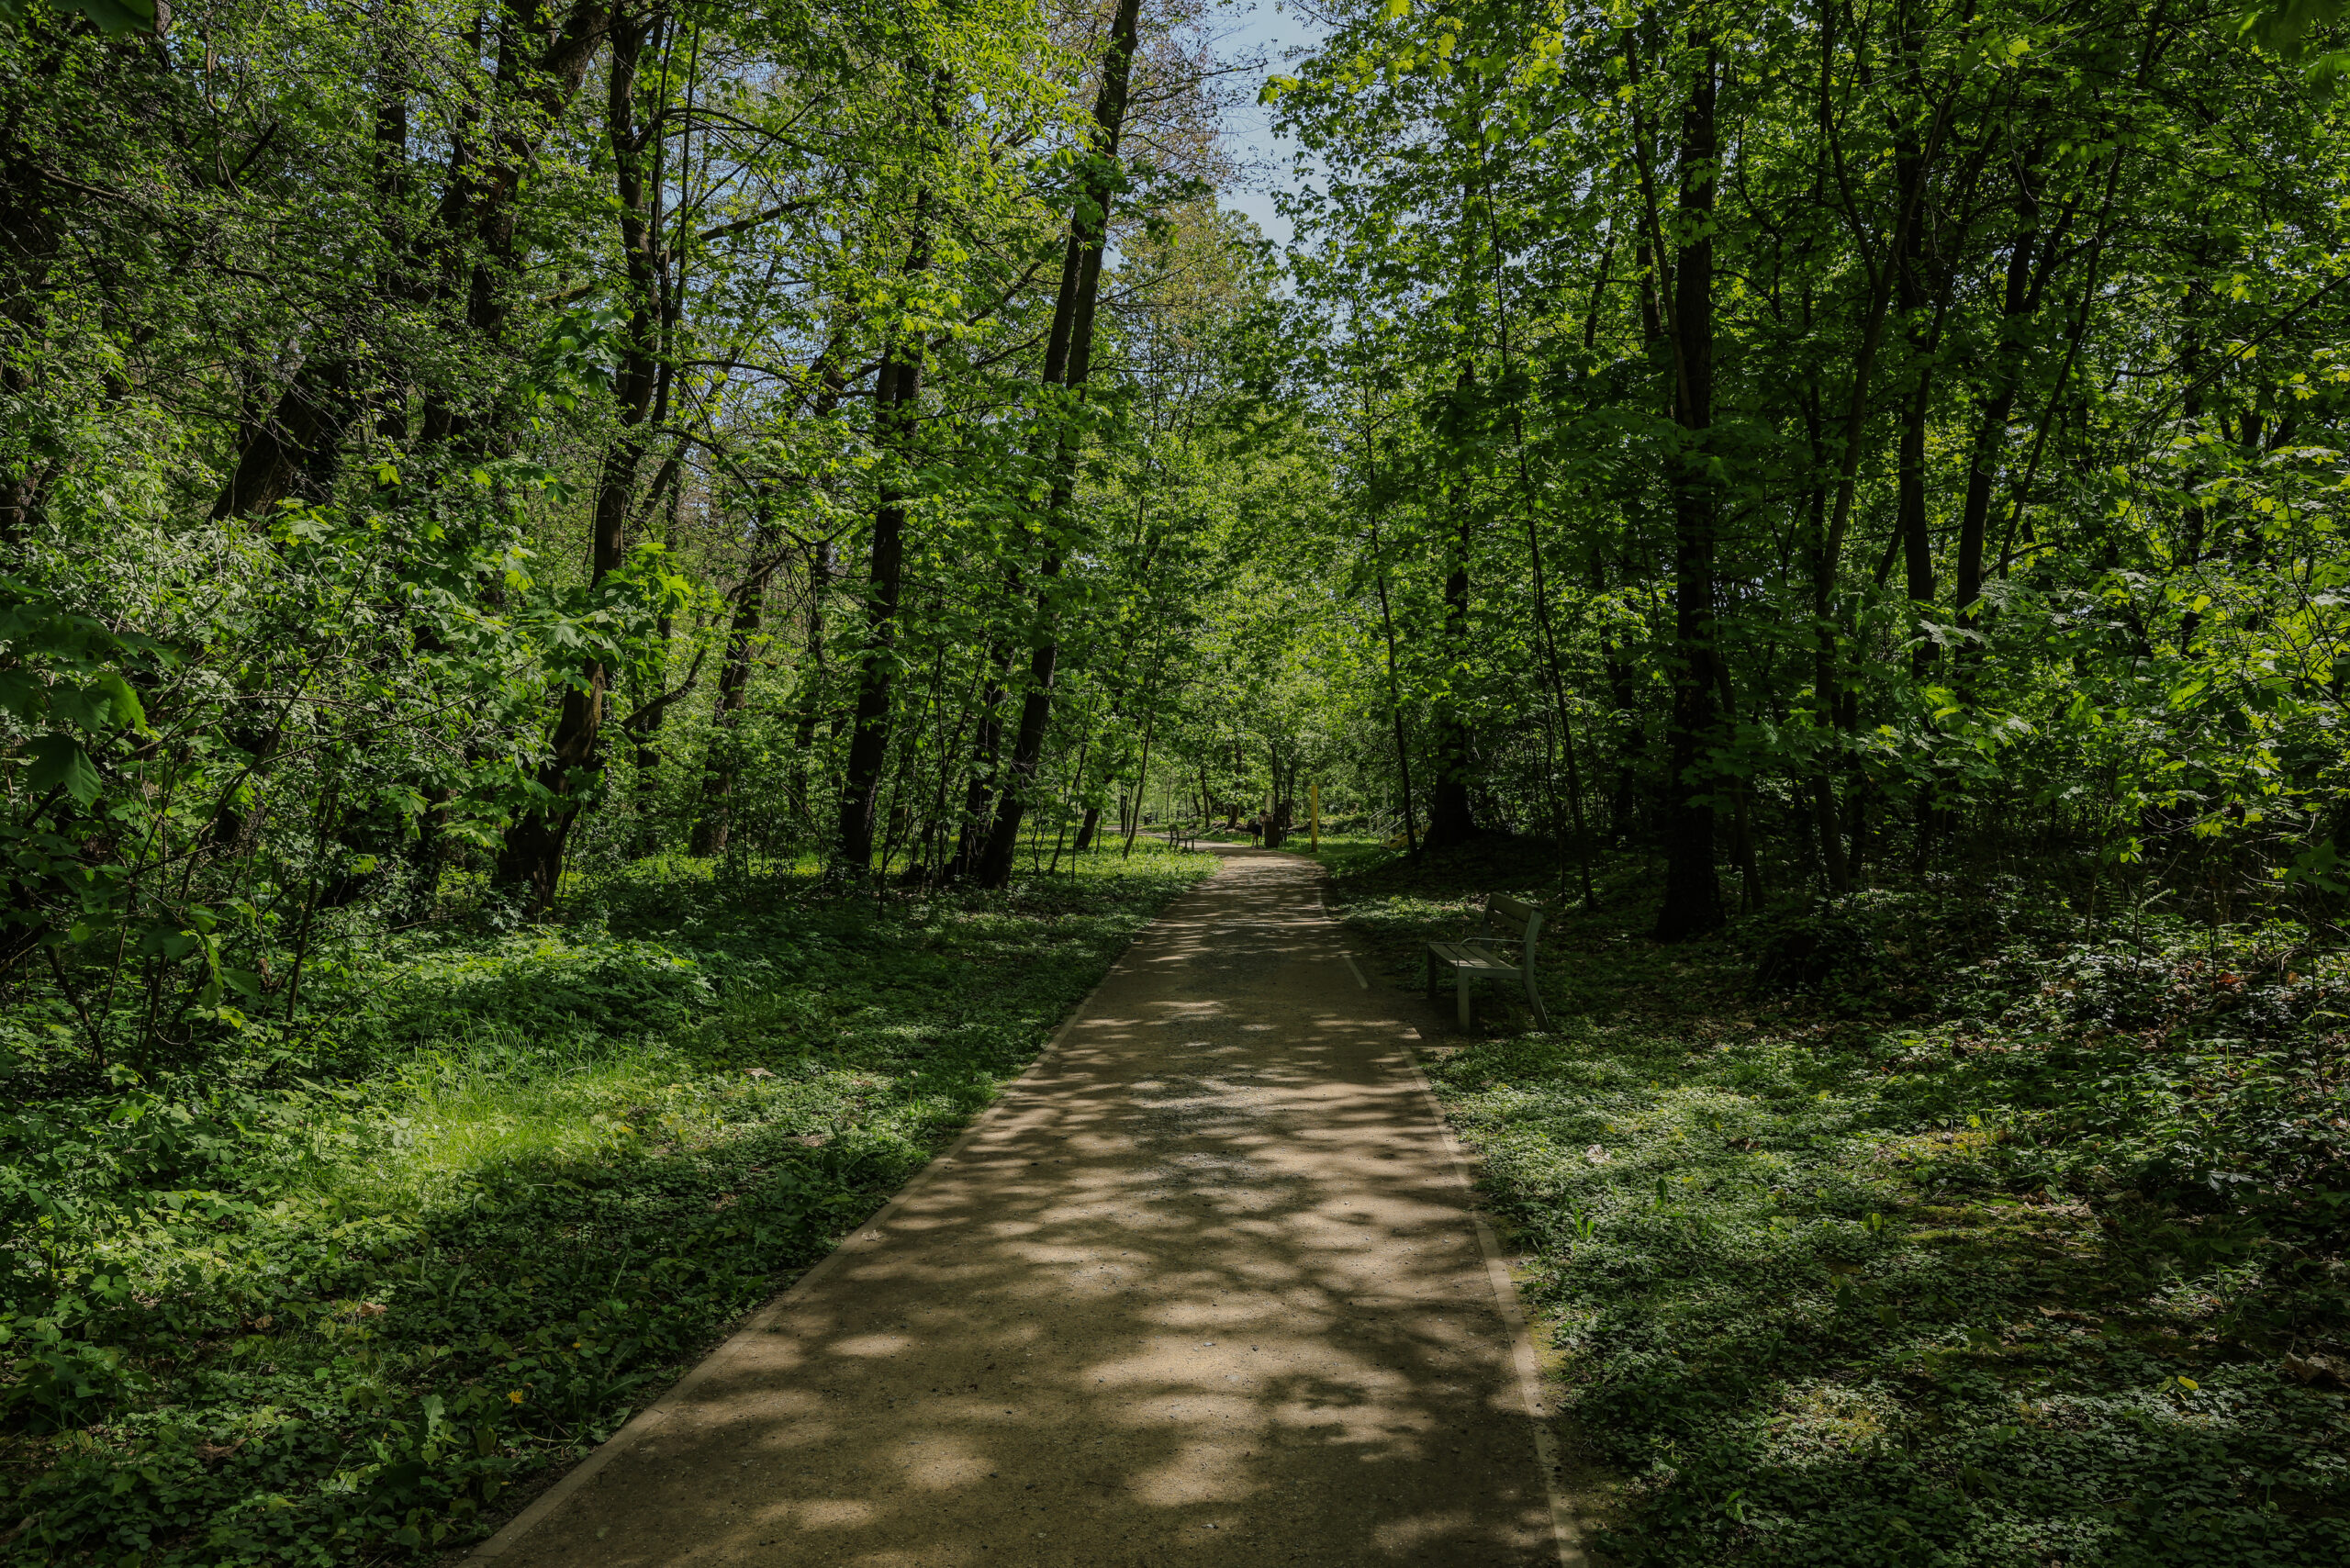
<point x="540" y="541"/>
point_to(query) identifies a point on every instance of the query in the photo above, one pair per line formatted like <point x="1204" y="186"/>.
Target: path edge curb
<point x="641" y="1426"/>
<point x="1566" y="1531"/>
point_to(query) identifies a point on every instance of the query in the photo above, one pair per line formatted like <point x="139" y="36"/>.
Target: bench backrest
<point x="1522" y="922"/>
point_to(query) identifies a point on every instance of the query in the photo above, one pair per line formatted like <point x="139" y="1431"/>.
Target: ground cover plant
<point x="327" y="1301"/>
<point x="1923" y="1227"/>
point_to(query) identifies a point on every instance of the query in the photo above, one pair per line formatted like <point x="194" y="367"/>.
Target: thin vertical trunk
<point x="897" y="399"/>
<point x="1906" y="260"/>
<point x="714" y="825"/>
<point x="816" y="679"/>
<point x="1394" y="685"/>
<point x="1452" y="818"/>
<point x="1825" y="678"/>
<point x="2019" y="300"/>
<point x="532" y="855"/>
<point x="1142" y="771"/>
<point x="1068" y="358"/>
<point x="987" y="757"/>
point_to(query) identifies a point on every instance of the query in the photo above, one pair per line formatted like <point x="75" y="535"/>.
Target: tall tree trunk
<point x="533" y="851"/>
<point x="1693" y="898"/>
<point x="987" y="757"/>
<point x="1452" y="816"/>
<point x="1068" y="359"/>
<point x="1996" y="406"/>
<point x="1826" y="680"/>
<point x="896" y="402"/>
<point x="816" y="679"/>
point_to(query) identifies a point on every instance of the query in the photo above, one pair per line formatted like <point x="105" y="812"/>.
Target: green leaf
<point x="127" y="708"/>
<point x="60" y="759"/>
<point x="112" y="17"/>
<point x="83" y="709"/>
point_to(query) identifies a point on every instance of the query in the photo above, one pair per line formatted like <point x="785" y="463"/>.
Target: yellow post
<point x="1313" y="798"/>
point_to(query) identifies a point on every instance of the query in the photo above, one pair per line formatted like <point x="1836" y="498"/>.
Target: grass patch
<point x="1923" y="1229"/>
<point x="328" y="1307"/>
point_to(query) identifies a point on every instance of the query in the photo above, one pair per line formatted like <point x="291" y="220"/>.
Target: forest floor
<point x="1924" y="1226"/>
<point x="327" y="1299"/>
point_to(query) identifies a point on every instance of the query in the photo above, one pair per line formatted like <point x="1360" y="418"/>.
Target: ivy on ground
<point x="316" y="1308"/>
<point x="1933" y="1227"/>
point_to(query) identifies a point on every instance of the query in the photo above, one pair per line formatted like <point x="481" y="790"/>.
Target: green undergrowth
<point x="328" y="1303"/>
<point x="1923" y="1227"/>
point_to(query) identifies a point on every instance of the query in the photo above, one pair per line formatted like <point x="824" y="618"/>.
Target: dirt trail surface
<point x="1203" y="1287"/>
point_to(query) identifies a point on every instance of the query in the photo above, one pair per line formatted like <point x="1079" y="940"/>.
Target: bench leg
<point x="1541" y="1013"/>
<point x="1467" y="1010"/>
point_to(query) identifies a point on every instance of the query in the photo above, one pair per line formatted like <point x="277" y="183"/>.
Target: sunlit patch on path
<point x="1204" y="1286"/>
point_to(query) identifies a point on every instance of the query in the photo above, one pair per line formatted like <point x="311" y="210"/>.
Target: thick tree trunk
<point x="1068" y="358"/>
<point x="1693" y="898"/>
<point x="293" y="451"/>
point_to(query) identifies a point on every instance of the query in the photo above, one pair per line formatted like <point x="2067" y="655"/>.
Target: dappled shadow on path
<point x="1203" y="1288"/>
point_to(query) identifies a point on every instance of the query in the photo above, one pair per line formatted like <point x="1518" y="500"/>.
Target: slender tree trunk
<point x="2019" y="299"/>
<point x="987" y="757"/>
<point x="816" y="679"/>
<point x="1394" y="688"/>
<point x="1452" y="818"/>
<point x="1068" y="358"/>
<point x="897" y="400"/>
<point x="533" y="852"/>
<point x="715" y="822"/>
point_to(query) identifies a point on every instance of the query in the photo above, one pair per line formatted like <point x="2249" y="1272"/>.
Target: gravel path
<point x="1204" y="1286"/>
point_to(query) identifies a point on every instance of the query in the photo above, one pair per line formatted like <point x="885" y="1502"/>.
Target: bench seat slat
<point x="1465" y="957"/>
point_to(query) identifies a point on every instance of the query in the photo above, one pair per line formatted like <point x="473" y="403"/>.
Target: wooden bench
<point x="1506" y="921"/>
